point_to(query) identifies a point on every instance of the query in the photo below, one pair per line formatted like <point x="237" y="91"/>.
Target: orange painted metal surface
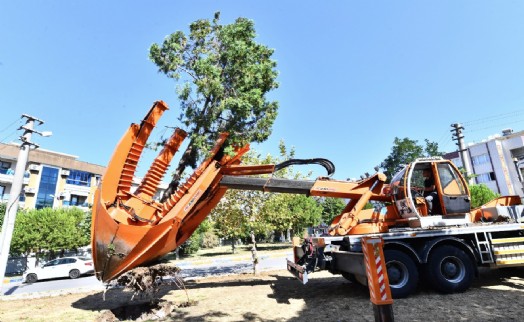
<point x="132" y="229"/>
<point x="376" y="271"/>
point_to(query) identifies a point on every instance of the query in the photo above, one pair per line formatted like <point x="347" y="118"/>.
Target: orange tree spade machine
<point x="448" y="244"/>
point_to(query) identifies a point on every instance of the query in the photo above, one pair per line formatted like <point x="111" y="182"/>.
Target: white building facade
<point x="54" y="179"/>
<point x="497" y="162"/>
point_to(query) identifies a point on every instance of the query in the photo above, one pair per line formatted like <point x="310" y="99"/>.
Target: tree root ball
<point x="145" y="281"/>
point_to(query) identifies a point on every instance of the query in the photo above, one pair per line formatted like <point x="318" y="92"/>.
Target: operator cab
<point x="450" y="197"/>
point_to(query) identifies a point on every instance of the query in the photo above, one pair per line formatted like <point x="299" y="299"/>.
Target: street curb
<point x="222" y="260"/>
<point x="15" y="279"/>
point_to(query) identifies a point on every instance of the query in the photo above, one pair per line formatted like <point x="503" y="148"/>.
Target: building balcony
<point x="77" y="190"/>
<point x="8" y="178"/>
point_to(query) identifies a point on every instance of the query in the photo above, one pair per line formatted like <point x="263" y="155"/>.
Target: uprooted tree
<point x="223" y="76"/>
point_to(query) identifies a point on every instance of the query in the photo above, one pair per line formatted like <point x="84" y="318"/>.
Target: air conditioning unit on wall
<point x="30" y="190"/>
<point x="34" y="167"/>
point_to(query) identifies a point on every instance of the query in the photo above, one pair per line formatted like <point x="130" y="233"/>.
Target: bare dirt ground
<point x="276" y="296"/>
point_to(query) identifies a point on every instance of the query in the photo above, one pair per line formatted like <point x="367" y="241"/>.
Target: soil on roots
<point x="145" y="283"/>
<point x="149" y="311"/>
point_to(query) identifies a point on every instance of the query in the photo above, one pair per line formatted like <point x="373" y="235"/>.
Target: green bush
<point x="210" y="239"/>
<point x="191" y="245"/>
<point x="481" y="194"/>
<point x="2" y="213"/>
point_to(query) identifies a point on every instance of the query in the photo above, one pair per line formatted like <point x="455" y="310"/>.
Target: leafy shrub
<point x="2" y="212"/>
<point x="210" y="239"/>
<point x="481" y="194"/>
<point x="191" y="245"/>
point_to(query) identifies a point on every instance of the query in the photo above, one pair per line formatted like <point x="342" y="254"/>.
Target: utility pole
<point x="459" y="137"/>
<point x="16" y="190"/>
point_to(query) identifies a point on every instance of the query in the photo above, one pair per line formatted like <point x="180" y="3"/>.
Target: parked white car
<point x="72" y="267"/>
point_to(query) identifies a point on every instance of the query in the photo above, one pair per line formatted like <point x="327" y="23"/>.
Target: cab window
<point x="397" y="185"/>
<point x="450" y="180"/>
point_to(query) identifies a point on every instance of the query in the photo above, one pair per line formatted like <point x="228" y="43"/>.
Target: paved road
<point x="190" y="270"/>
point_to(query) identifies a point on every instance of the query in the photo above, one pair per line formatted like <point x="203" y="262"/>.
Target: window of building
<point x="47" y="188"/>
<point x="79" y="178"/>
<point x="486" y="177"/>
<point x="4" y="167"/>
<point x="80" y="201"/>
<point x="480" y="159"/>
<point x="2" y="190"/>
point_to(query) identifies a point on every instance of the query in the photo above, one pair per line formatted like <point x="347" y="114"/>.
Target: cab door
<point x="452" y="189"/>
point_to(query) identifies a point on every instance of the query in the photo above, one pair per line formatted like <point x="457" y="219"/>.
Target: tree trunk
<point x="288" y="237"/>
<point x="254" y="254"/>
<point x="189" y="158"/>
<point x="233" y="246"/>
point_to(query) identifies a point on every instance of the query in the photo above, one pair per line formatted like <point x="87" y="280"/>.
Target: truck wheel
<point x="402" y="273"/>
<point x="451" y="270"/>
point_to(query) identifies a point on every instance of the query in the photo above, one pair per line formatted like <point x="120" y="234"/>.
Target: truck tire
<point x="402" y="273"/>
<point x="450" y="269"/>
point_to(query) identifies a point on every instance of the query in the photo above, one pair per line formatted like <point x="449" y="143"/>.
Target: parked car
<point x="72" y="267"/>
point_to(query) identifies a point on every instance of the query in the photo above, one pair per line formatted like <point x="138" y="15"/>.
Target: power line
<point x="444" y="139"/>
<point x="494" y="117"/>
<point x="492" y="125"/>
<point x="14" y="122"/>
<point x="4" y="140"/>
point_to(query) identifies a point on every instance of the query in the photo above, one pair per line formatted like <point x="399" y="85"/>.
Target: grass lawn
<point x="224" y="251"/>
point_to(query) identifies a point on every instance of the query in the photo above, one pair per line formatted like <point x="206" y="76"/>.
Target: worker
<point x="429" y="190"/>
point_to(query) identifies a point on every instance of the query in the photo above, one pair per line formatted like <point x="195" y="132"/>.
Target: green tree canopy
<point x="2" y="212"/>
<point x="331" y="207"/>
<point x="242" y="211"/>
<point x="405" y="151"/>
<point x="292" y="213"/>
<point x="223" y="78"/>
<point x="50" y="229"/>
<point x="481" y="194"/>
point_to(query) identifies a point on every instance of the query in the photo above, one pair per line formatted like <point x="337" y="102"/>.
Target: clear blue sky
<point x="353" y="74"/>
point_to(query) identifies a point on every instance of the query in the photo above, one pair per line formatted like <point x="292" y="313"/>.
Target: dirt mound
<point x="141" y="312"/>
<point x="145" y="282"/>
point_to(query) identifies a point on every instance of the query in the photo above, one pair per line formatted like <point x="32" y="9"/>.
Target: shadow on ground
<point x="495" y="296"/>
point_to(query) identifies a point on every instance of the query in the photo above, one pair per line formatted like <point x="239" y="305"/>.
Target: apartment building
<point x="497" y="162"/>
<point x="52" y="179"/>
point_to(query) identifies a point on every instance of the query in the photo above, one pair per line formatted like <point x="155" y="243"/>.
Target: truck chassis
<point x="447" y="257"/>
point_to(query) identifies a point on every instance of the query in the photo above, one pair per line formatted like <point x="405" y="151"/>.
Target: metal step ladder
<point x="508" y="251"/>
<point x="484" y="247"/>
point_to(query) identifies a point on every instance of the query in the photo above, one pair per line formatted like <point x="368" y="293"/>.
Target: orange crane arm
<point x="131" y="228"/>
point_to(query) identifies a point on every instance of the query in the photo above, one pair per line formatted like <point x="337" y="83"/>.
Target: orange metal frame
<point x="132" y="229"/>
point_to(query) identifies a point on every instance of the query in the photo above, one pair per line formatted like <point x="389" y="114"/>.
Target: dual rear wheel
<point x="448" y="270"/>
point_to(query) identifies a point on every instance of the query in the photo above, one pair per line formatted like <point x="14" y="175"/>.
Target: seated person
<point x="429" y="190"/>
